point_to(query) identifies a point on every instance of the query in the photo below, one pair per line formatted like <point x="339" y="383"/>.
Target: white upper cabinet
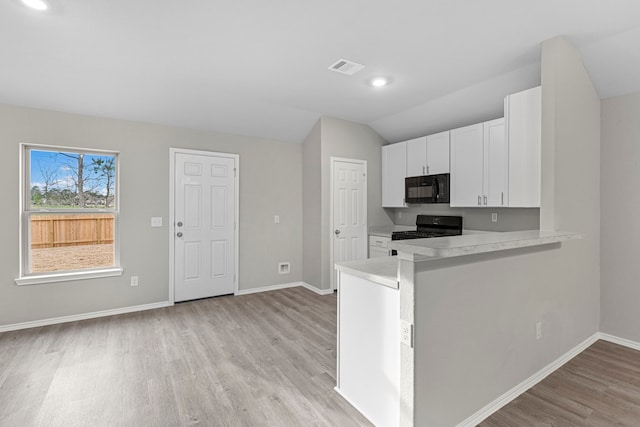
<point x="417" y="156"/>
<point x="495" y="164"/>
<point x="479" y="165"/>
<point x="438" y="153"/>
<point x="492" y="164"/>
<point x="467" y="153"/>
<point x="428" y="155"/>
<point x="394" y="171"/>
<point x="523" y="115"/>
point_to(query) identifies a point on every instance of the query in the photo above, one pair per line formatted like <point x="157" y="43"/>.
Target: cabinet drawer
<point x="379" y="242"/>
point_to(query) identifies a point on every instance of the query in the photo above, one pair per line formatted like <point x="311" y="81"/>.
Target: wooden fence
<point x="49" y="231"/>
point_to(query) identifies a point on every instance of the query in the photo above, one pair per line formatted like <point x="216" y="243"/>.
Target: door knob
<point x="179" y="234"/>
<point x="179" y="224"/>
<point x="337" y="232"/>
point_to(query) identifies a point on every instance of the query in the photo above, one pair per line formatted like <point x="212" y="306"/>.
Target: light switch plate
<point x="156" y="221"/>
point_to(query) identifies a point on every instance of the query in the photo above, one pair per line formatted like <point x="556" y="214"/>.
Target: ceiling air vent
<point x="344" y="66"/>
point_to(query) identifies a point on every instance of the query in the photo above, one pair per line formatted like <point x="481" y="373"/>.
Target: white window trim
<point x="68" y="276"/>
<point x="63" y="276"/>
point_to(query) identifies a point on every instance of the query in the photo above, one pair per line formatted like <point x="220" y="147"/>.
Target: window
<point x="69" y="217"/>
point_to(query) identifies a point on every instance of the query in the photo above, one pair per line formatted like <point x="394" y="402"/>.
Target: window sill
<point x="66" y="277"/>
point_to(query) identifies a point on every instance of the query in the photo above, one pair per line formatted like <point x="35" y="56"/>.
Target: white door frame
<point x="172" y="220"/>
<point x="364" y="209"/>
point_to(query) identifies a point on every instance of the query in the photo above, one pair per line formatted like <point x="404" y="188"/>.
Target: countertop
<point x="386" y="230"/>
<point x="476" y="243"/>
<point x="383" y="270"/>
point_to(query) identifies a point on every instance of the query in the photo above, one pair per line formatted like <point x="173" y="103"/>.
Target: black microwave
<point x="427" y="189"/>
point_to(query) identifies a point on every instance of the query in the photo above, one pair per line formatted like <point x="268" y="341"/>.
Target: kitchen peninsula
<point x="439" y="297"/>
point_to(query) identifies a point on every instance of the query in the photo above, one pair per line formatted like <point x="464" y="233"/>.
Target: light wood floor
<point x="599" y="387"/>
<point x="265" y="359"/>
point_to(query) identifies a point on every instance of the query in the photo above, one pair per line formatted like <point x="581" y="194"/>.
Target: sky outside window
<point x="65" y="179"/>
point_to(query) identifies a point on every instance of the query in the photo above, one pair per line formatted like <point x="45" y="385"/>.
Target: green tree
<point x="36" y="196"/>
<point x="105" y="168"/>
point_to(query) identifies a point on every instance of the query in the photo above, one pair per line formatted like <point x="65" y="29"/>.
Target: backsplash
<point x="509" y="219"/>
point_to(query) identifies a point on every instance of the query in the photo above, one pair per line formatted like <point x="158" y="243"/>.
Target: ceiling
<point x="259" y="68"/>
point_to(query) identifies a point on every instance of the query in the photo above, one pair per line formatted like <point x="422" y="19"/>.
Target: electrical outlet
<point x="276" y="219"/>
<point x="538" y="330"/>
<point x="406" y="333"/>
<point x="156" y="221"/>
<point x="134" y="280"/>
<point x="494" y="217"/>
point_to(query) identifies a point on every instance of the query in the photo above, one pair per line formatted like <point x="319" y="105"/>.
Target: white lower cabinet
<point x="479" y="165"/>
<point x="369" y="348"/>
<point x="378" y="246"/>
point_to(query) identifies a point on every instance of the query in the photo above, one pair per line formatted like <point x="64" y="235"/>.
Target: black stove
<point x="429" y="226"/>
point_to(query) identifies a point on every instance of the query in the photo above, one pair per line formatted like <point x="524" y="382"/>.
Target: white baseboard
<point x="83" y="316"/>
<point x="268" y="288"/>
<point x="285" y="286"/>
<point x="316" y="290"/>
<point x="620" y="341"/>
<point x="516" y="391"/>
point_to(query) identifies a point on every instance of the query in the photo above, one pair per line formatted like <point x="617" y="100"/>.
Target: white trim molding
<point x="534" y="379"/>
<point x="267" y="288"/>
<point x="365" y="214"/>
<point x="284" y="286"/>
<point x="316" y="290"/>
<point x="68" y="276"/>
<point x="83" y="316"/>
<point x="620" y="341"/>
<point x="172" y="176"/>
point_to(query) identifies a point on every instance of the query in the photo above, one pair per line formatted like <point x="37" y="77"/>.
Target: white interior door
<point x="204" y="225"/>
<point x="349" y="216"/>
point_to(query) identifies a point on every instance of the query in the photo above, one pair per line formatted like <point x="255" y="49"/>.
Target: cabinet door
<point x="495" y="164"/>
<point x="417" y="156"/>
<point x="394" y="171"/>
<point x="438" y="153"/>
<point x="523" y="112"/>
<point x="466" y="166"/>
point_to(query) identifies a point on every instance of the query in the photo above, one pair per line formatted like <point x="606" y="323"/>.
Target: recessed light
<point x="36" y="4"/>
<point x="379" y="82"/>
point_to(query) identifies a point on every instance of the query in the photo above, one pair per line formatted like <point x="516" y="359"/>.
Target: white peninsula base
<point x="369" y="348"/>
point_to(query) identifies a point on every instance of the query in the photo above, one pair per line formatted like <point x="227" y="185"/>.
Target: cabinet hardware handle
<point x="502" y="198"/>
<point x="423" y="170"/>
<point x="485" y="200"/>
<point x="427" y="169"/>
<point x="479" y="201"/>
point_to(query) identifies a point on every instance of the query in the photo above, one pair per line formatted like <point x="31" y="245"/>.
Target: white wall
<point x="312" y="207"/>
<point x="342" y="138"/>
<point x="509" y="219"/>
<point x="620" y="208"/>
<point x="475" y="316"/>
<point x="270" y="184"/>
<point x="475" y="320"/>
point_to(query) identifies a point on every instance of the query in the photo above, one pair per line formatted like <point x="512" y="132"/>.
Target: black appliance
<point x="432" y="226"/>
<point x="427" y="189"/>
